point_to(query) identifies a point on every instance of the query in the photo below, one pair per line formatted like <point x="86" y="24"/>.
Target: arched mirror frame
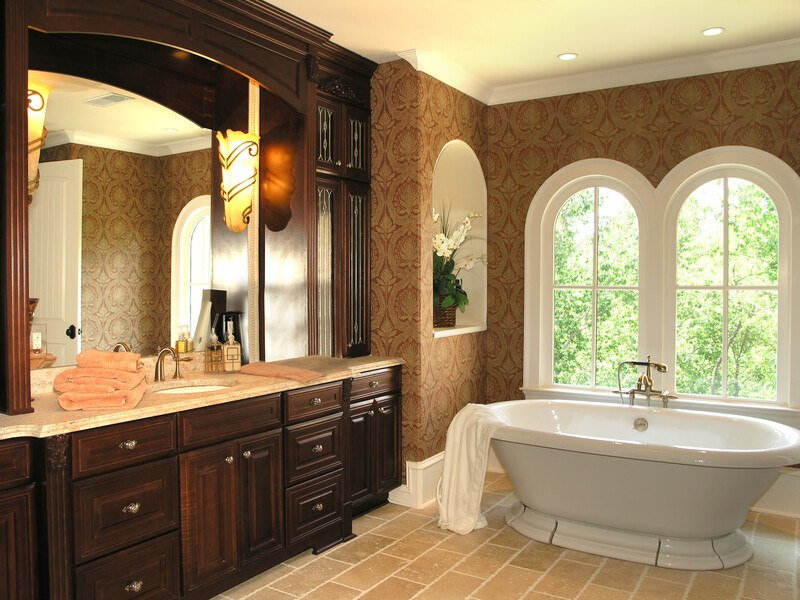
<point x="261" y="42"/>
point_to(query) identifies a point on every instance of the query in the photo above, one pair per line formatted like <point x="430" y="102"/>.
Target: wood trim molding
<point x="15" y="397"/>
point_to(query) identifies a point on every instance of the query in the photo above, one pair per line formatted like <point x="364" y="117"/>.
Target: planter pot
<point x="444" y="317"/>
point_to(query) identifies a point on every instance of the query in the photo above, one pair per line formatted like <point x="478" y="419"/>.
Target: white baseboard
<point x="783" y="498"/>
<point x="422" y="478"/>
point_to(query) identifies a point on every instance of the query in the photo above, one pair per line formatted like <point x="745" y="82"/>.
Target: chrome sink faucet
<point x="644" y="383"/>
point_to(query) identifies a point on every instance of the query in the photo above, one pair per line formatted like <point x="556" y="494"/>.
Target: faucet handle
<point x="666" y="397"/>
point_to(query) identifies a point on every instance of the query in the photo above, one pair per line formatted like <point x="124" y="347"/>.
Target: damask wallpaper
<point x="651" y="127"/>
<point x="413" y="117"/>
<point x="130" y="204"/>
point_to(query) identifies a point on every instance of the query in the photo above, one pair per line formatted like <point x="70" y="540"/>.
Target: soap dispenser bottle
<point x="232" y="352"/>
<point x="214" y="362"/>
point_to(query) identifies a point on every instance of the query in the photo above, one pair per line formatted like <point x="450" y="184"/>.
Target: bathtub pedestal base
<point x="697" y="555"/>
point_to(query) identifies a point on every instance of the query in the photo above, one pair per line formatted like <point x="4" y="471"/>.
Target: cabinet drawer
<point x="206" y="426"/>
<point x="313" y="401"/>
<point x="376" y="383"/>
<point x="16" y="466"/>
<point x="149" y="570"/>
<point x="313" y="448"/>
<point x="313" y="505"/>
<point x="119" y="509"/>
<point x="109" y="448"/>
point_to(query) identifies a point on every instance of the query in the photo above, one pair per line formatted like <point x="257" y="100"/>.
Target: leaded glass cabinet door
<point x="329" y="137"/>
<point x="352" y="271"/>
<point x="356" y="139"/>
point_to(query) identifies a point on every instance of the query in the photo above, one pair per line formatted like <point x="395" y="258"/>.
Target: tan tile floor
<point x="401" y="553"/>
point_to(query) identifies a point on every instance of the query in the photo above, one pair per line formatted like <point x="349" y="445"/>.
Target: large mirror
<point x="129" y="167"/>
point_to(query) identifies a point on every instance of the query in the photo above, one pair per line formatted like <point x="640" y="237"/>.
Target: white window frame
<point x="187" y="220"/>
<point x="539" y="228"/>
<point x="777" y="180"/>
<point x="657" y="210"/>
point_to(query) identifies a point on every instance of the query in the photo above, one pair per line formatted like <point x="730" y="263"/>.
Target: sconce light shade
<point x="37" y="104"/>
<point x="238" y="155"/>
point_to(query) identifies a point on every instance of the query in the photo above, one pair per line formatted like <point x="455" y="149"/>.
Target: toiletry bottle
<point x="187" y="336"/>
<point x="232" y="352"/>
<point x="213" y="354"/>
<point x="180" y="343"/>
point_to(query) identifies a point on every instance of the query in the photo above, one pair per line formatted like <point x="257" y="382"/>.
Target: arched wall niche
<point x="459" y="187"/>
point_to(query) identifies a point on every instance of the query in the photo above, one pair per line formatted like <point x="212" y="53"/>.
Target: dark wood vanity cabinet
<point x="17" y="521"/>
<point x="231" y="494"/>
<point x="374" y="431"/>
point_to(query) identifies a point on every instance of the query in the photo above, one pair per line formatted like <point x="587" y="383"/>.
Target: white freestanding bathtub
<point x="657" y="486"/>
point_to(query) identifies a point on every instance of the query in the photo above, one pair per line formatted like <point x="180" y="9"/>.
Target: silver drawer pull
<point x="134" y="586"/>
<point x="374" y="384"/>
<point x="318" y="449"/>
<point x="246" y="454"/>
<point x="229" y="460"/>
<point x="315" y="401"/>
<point x="132" y="508"/>
<point x="128" y="444"/>
<point x="318" y="507"/>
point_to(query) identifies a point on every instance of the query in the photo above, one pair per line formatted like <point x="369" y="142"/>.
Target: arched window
<point x="191" y="263"/>
<point x="726" y="291"/>
<point x="595" y="287"/>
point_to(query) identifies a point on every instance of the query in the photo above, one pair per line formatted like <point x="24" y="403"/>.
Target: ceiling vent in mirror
<point x="107" y="99"/>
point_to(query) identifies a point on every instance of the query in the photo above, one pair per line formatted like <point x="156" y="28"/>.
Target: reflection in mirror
<point x="140" y="165"/>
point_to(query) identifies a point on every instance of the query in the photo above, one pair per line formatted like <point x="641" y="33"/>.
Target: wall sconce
<point x="238" y="155"/>
<point x="37" y="104"/>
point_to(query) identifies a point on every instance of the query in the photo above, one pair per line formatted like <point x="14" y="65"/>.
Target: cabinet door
<point x="352" y="261"/>
<point x="208" y="514"/>
<point x="388" y="431"/>
<point x="362" y="475"/>
<point x="328" y="191"/>
<point x="260" y="496"/>
<point x="355" y="122"/>
<point x="329" y="136"/>
<point x="17" y="539"/>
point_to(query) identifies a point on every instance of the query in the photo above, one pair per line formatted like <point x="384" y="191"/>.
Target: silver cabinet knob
<point x="134" y="586"/>
<point x="246" y="454"/>
<point x="318" y="449"/>
<point x="315" y="401"/>
<point x="338" y="163"/>
<point x="229" y="460"/>
<point x="371" y="413"/>
<point x="384" y="411"/>
<point x="318" y="507"/>
<point x="132" y="508"/>
<point x="128" y="444"/>
<point x="374" y="384"/>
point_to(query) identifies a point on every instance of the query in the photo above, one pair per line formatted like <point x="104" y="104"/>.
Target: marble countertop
<point x="50" y="419"/>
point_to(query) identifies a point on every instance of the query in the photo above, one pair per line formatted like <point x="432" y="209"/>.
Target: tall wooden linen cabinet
<point x="341" y="260"/>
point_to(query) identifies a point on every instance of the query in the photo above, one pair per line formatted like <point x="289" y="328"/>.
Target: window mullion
<point x="595" y="253"/>
<point x="725" y="284"/>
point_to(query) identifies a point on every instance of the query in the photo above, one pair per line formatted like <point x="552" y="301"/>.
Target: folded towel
<point x="118" y="361"/>
<point x="280" y="371"/>
<point x="119" y="399"/>
<point x="99" y="388"/>
<point x="117" y="380"/>
<point x="466" y="453"/>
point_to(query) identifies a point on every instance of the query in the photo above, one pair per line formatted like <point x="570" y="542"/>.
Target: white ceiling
<point x="505" y="50"/>
<point x="494" y="50"/>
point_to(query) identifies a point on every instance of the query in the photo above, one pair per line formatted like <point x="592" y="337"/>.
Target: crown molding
<point x="448" y="72"/>
<point x="69" y="136"/>
<point x="701" y="64"/>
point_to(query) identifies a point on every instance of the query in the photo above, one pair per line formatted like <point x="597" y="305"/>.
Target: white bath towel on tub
<point x="466" y="453"/>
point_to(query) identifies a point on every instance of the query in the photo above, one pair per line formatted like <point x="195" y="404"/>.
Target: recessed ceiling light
<point x="568" y="56"/>
<point x="169" y="130"/>
<point x="712" y="31"/>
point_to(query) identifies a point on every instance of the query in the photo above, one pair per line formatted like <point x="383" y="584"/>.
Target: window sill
<point x="460" y="329"/>
<point x="781" y="414"/>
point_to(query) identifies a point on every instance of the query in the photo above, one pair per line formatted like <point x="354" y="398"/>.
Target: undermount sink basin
<point x="193" y="389"/>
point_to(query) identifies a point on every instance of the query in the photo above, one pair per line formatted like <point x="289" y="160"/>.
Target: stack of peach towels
<point x="102" y="380"/>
